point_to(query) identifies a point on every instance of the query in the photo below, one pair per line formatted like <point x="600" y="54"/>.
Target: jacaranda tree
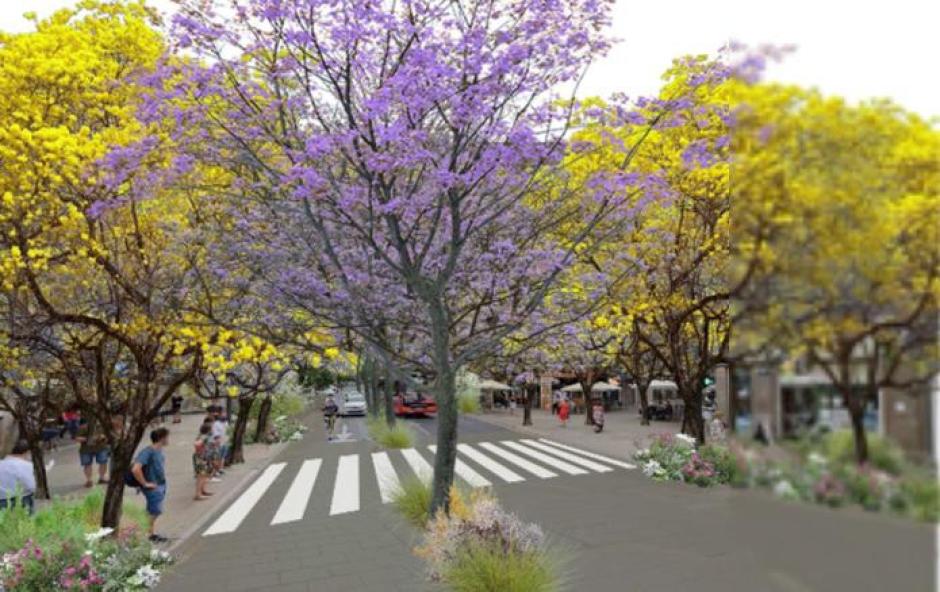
<point x="387" y="154"/>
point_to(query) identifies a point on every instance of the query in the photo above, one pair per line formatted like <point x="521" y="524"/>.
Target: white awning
<point x="492" y="385"/>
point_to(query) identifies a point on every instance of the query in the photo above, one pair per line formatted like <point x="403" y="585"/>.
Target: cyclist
<point x="330" y="410"/>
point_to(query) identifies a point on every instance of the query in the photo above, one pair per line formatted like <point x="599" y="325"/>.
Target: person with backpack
<point x="149" y="475"/>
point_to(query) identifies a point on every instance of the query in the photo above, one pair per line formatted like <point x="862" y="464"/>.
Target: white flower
<point x="784" y="489"/>
<point x="296" y="436"/>
<point x="642" y="453"/>
<point x="160" y="556"/>
<point x="687" y="439"/>
<point x="815" y="458"/>
<point x="145" y="576"/>
<point x="652" y="468"/>
<point x="93" y="537"/>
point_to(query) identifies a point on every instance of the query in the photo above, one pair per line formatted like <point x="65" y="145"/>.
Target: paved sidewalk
<point x="621" y="437"/>
<point x="182" y="516"/>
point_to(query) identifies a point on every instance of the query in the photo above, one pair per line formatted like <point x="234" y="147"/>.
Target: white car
<point x="352" y="403"/>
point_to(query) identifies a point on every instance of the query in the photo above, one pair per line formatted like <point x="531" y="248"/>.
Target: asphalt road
<point x="613" y="530"/>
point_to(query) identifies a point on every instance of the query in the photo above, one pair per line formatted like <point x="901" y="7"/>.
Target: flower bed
<point x="481" y="547"/>
<point x="59" y="549"/>
<point x="823" y="473"/>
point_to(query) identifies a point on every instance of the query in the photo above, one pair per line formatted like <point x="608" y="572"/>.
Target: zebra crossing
<point x="506" y="461"/>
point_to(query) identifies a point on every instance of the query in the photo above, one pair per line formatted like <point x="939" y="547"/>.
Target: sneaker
<point x="215" y="480"/>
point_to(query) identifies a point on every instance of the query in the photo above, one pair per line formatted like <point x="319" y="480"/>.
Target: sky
<point x="858" y="49"/>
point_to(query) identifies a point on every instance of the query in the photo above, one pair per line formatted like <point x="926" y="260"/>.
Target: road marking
<point x="489" y="464"/>
<point x="346" y="488"/>
<point x="233" y="516"/>
<point x="294" y="505"/>
<point x="606" y="459"/>
<point x="466" y="473"/>
<point x="417" y="463"/>
<point x="588" y="464"/>
<point x="518" y="460"/>
<point x="385" y="475"/>
<point x="544" y="458"/>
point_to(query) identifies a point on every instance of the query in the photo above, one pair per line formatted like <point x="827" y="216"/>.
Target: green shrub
<point x="468" y="403"/>
<point x="412" y="499"/>
<point x="922" y="498"/>
<point x="728" y="468"/>
<point x="61" y="521"/>
<point x="486" y="568"/>
<point x="398" y="436"/>
<point x="839" y="448"/>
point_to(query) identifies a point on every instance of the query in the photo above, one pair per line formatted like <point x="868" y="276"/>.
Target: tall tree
<point x="395" y="147"/>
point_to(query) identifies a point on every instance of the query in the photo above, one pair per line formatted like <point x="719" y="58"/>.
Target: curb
<point x="222" y="500"/>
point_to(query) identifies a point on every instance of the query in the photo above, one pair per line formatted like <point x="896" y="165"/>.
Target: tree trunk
<point x="236" y="450"/>
<point x="586" y="397"/>
<point x="644" y="403"/>
<point x="263" y="415"/>
<point x="692" y="422"/>
<point x="39" y="470"/>
<point x="388" y="399"/>
<point x="121" y="458"/>
<point x="527" y="407"/>
<point x="857" y="413"/>
<point x="374" y="387"/>
<point x="446" y="454"/>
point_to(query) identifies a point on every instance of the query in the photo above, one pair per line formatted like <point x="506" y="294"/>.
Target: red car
<point x="414" y="405"/>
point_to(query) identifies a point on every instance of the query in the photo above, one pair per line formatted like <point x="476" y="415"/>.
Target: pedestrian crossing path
<point x="478" y="465"/>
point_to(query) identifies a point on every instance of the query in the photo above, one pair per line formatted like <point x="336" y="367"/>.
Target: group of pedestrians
<point x="209" y="452"/>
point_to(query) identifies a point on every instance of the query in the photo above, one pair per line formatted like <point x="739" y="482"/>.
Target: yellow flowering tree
<point x="99" y="275"/>
<point x="836" y="239"/>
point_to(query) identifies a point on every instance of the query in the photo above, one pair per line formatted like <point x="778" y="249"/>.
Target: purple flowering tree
<point x="394" y="166"/>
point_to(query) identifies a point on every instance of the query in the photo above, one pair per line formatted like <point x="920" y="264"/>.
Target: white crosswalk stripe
<point x="544" y="458"/>
<point x="606" y="459"/>
<point x="295" y="502"/>
<point x="417" y="463"/>
<point x="233" y="516"/>
<point x="346" y="489"/>
<point x="463" y="471"/>
<point x="489" y="464"/>
<point x="588" y="464"/>
<point x="490" y="460"/>
<point x="518" y="460"/>
<point x="385" y="475"/>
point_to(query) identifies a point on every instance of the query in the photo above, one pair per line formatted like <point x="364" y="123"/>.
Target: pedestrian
<point x="556" y="400"/>
<point x="71" y="419"/>
<point x="564" y="409"/>
<point x="17" y="478"/>
<point x="597" y="414"/>
<point x="93" y="448"/>
<point x="218" y="434"/>
<point x="176" y="406"/>
<point x="512" y="404"/>
<point x="150" y="474"/>
<point x="202" y="461"/>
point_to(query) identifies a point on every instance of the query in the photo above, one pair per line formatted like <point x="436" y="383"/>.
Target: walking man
<point x="149" y="471"/>
<point x="17" y="479"/>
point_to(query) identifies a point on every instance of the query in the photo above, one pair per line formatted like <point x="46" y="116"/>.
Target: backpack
<point x="130" y="480"/>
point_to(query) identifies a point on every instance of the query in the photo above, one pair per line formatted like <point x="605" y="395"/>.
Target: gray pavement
<point x="614" y="530"/>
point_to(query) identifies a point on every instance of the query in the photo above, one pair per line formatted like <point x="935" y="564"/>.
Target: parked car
<point x="352" y="403"/>
<point x="414" y="405"/>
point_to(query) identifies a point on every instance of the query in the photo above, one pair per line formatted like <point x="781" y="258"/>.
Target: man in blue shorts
<point x="148" y="469"/>
<point x="93" y="448"/>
